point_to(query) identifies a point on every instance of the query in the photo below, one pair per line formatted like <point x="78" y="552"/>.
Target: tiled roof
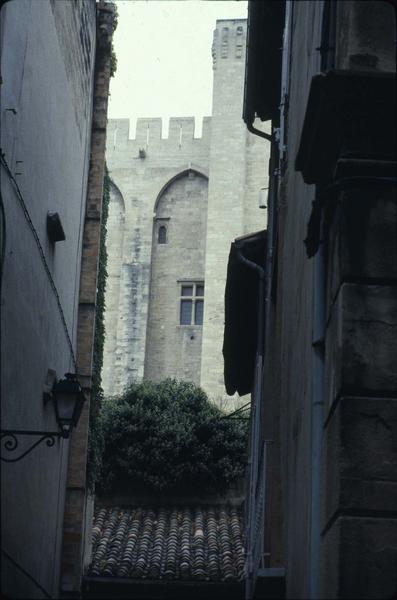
<point x="176" y="543"/>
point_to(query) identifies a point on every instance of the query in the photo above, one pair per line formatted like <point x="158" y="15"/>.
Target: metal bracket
<point x="9" y="441"/>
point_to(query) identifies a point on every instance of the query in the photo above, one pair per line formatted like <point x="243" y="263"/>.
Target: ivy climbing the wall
<point x="95" y="439"/>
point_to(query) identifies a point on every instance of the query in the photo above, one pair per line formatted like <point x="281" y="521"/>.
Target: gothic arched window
<point x="162" y="235"/>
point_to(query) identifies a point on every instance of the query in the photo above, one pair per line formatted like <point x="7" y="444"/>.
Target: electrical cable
<point x="42" y="255"/>
<point x="243" y="408"/>
<point x="2" y="236"/>
<point x="28" y="575"/>
<point x="2" y="250"/>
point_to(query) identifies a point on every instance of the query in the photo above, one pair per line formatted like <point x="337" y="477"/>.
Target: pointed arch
<point x="177" y="176"/>
<point x="181" y="208"/>
<point x="116" y="195"/>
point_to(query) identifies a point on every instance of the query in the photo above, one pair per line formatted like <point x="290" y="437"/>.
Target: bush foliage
<point x="166" y="436"/>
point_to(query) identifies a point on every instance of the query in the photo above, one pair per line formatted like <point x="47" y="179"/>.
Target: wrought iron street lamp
<point x="68" y="398"/>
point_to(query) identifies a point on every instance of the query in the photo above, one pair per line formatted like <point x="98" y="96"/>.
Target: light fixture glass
<point x="69" y="399"/>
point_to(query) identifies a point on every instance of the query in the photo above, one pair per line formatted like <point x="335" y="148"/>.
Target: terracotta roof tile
<point x="188" y="543"/>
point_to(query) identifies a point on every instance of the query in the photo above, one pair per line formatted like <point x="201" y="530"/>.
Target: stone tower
<point x="235" y="178"/>
<point x="176" y="205"/>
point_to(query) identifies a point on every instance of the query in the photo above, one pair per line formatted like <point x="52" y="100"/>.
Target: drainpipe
<point x="285" y="79"/>
<point x="317" y="412"/>
<point x="328" y="37"/>
<point x="259" y="348"/>
<point x="252" y="129"/>
<point x="255" y="419"/>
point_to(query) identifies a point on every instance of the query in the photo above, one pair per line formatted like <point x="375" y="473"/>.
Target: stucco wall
<point x="46" y="145"/>
<point x="360" y="46"/>
<point x="295" y="309"/>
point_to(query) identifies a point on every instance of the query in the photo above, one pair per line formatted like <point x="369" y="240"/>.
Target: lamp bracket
<point x="10" y="442"/>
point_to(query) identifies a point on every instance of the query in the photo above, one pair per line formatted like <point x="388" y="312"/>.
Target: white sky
<point x="164" y="64"/>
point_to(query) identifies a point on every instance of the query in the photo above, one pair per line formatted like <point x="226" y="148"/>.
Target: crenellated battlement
<point x="149" y="132"/>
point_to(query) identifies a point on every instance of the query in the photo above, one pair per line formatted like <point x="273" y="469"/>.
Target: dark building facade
<point x="324" y="408"/>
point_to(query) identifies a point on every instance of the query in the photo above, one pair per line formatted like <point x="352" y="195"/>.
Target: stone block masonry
<point x="205" y="192"/>
<point x="177" y="267"/>
<point x="360" y="478"/>
<point x="142" y="170"/>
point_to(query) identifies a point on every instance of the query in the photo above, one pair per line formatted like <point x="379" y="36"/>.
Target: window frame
<point x="193" y="299"/>
<point x="162" y="229"/>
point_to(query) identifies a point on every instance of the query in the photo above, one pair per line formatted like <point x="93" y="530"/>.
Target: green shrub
<point x="168" y="435"/>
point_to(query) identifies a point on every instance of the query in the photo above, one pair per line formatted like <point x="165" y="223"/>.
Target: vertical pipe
<point x="285" y="77"/>
<point x="264" y="467"/>
<point x="255" y="424"/>
<point x="317" y="411"/>
<point x="327" y="60"/>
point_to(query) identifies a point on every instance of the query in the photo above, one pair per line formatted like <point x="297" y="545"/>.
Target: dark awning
<point x="241" y="312"/>
<point x="263" y="62"/>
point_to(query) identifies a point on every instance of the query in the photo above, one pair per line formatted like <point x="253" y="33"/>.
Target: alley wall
<point x="47" y="69"/>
